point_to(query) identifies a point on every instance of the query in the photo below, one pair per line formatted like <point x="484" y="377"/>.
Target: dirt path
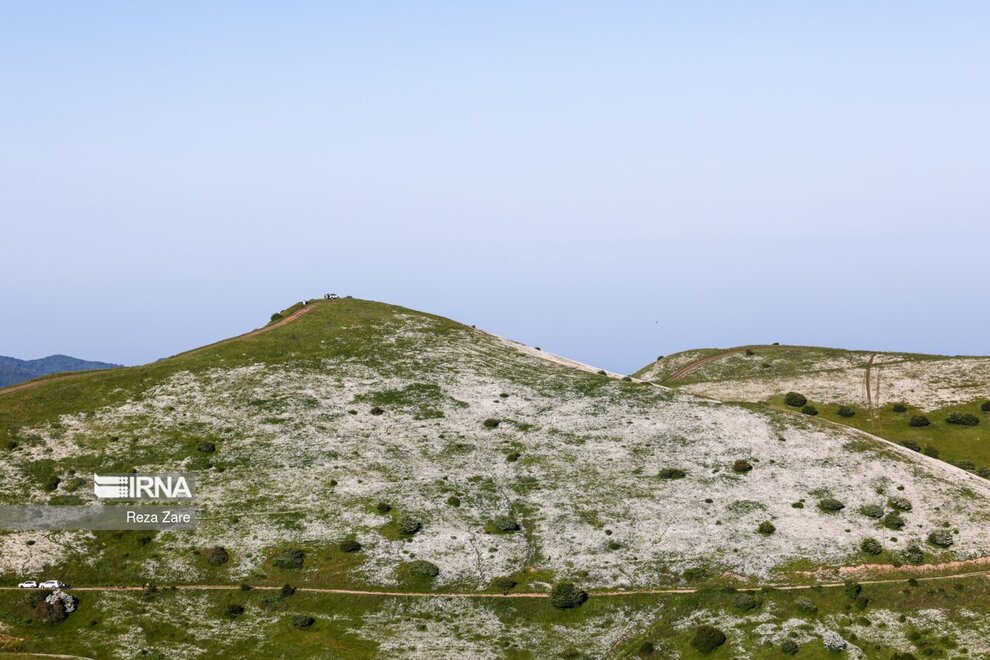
<point x="697" y="364"/>
<point x="268" y="328"/>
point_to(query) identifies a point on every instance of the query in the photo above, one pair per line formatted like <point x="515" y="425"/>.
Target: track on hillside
<point x="697" y="364"/>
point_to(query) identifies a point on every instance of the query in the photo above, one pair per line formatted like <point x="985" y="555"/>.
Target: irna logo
<point x="143" y="486"/>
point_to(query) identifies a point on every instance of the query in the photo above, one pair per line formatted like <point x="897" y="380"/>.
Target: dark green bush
<point x="940" y="538"/>
<point x="409" y="526"/>
<point x="809" y="410"/>
<point x="919" y="420"/>
<point x="646" y="649"/>
<point x="216" y="555"/>
<point x="741" y="466"/>
<point x="454" y="501"/>
<point x="852" y="589"/>
<point x="286" y="591"/>
<point x="931" y="452"/>
<point x="233" y="609"/>
<point x="671" y="473"/>
<point x="912" y="445"/>
<point x="377" y="410"/>
<point x="806" y="605"/>
<point x="503" y="524"/>
<point x="512" y="457"/>
<point x="491" y="423"/>
<point x="503" y="584"/>
<point x="276" y="317"/>
<point x="744" y="602"/>
<point x="872" y="511"/>
<point x="871" y="546"/>
<point x="566" y="595"/>
<point x="899" y="503"/>
<point x="795" y="400"/>
<point x="893" y="521"/>
<point x="423" y="569"/>
<point x="789" y="647"/>
<point x="303" y="621"/>
<point x="766" y="528"/>
<point x="830" y="505"/>
<point x="914" y="554"/>
<point x="290" y="559"/>
<point x="900" y="408"/>
<point x="845" y="411"/>
<point x="206" y="447"/>
<point x="707" y="638"/>
<point x="903" y="656"/>
<point x="350" y="545"/>
<point x="383" y="508"/>
<point x="963" y="419"/>
<point x="696" y="574"/>
<point x="985" y="406"/>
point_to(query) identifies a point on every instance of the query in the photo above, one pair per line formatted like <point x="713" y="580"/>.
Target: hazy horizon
<point x="610" y="183"/>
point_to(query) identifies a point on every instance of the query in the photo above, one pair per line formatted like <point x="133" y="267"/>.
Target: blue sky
<point x="610" y="181"/>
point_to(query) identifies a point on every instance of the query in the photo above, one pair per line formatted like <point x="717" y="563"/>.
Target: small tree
<point x="985" y="406"/>
<point x="831" y="505"/>
<point x="216" y="555"/>
<point x="845" y="411"/>
<point x="291" y="558"/>
<point x="671" y="473"/>
<point x="809" y="410"/>
<point x="871" y="546"/>
<point x="940" y="538"/>
<point x="795" y="400"/>
<point x="409" y="526"/>
<point x="707" y="638"/>
<point x="919" y="421"/>
<point x="741" y="466"/>
<point x="566" y="595"/>
<point x="766" y="528"/>
<point x="900" y="408"/>
<point x="421" y="568"/>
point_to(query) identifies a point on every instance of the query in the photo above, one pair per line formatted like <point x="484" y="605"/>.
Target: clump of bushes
<point x="985" y="406"/>
<point x="276" y="317"/>
<point x="940" y="538"/>
<point x="914" y="554"/>
<point x="741" y="466"/>
<point x="830" y="505"/>
<point x="290" y="559"/>
<point x="350" y="545"/>
<point x="566" y="595"/>
<point x="809" y="410"/>
<point x="421" y="568"/>
<point x="744" y="602"/>
<point x="963" y="419"/>
<point x="919" y="421"/>
<point x="899" y="503"/>
<point x="409" y="526"/>
<point x="491" y="423"/>
<point x="806" y="605"/>
<point x="766" y="528"/>
<point x="216" y="555"/>
<point x="871" y="546"/>
<point x="845" y="411"/>
<point x="303" y="621"/>
<point x="900" y="408"/>
<point x="671" y="473"/>
<point x="707" y="638"/>
<point x="874" y="511"/>
<point x="795" y="400"/>
<point x="503" y="584"/>
<point x="893" y="521"/>
<point x="789" y="647"/>
<point x="504" y="524"/>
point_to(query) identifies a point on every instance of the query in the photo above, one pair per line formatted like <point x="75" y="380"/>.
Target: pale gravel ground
<point x="588" y="465"/>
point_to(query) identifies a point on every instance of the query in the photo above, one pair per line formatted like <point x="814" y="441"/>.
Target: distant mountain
<point x="13" y="371"/>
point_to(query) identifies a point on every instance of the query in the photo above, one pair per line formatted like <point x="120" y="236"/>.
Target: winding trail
<point x="76" y="374"/>
<point x="697" y="364"/>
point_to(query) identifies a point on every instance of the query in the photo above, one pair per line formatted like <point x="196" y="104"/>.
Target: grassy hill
<point x="362" y="446"/>
<point x="902" y="387"/>
<point x="13" y="370"/>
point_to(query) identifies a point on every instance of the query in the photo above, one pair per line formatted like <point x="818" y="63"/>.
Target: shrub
<point x="491" y="423"/>
<point x="216" y="555"/>
<point x="912" y="445"/>
<point x="52" y="483"/>
<point x="919" y="421"/>
<point x="206" y="447"/>
<point x="503" y="584"/>
<point x="931" y="452"/>
<point x="671" y="473"/>
<point x="423" y="569"/>
<point x="766" y="528"/>
<point x="646" y="649"/>
<point x="287" y="591"/>
<point x="383" y="508"/>
<point x="942" y="539"/>
<point x="245" y="586"/>
<point x="276" y="317"/>
<point x="806" y="605"/>
<point x="809" y="410"/>
<point x="830" y="505"/>
<point x="963" y="419"/>
<point x="377" y="410"/>
<point x="871" y="546"/>
<point x="969" y="466"/>
<point x="893" y="521"/>
<point x="504" y="524"/>
<point x="51" y="612"/>
<point x="707" y="638"/>
<point x="914" y="554"/>
<point x="795" y="400"/>
<point x="845" y="411"/>
<point x="741" y="466"/>
<point x="696" y="574"/>
<point x="985" y="406"/>
<point x="852" y="589"/>
<point x="861" y="602"/>
<point x="454" y="501"/>
<point x="903" y="656"/>
<point x="409" y="526"/>
<point x="233" y="609"/>
<point x="566" y="595"/>
<point x="512" y="457"/>
<point x="744" y="602"/>
<point x="350" y="545"/>
<point x="899" y="503"/>
<point x="303" y="621"/>
<point x="900" y="408"/>
<point x="789" y="647"/>
<point x="290" y="559"/>
<point x="872" y="511"/>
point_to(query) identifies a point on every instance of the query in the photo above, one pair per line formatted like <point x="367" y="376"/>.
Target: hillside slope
<point x="358" y="418"/>
<point x="13" y="370"/>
